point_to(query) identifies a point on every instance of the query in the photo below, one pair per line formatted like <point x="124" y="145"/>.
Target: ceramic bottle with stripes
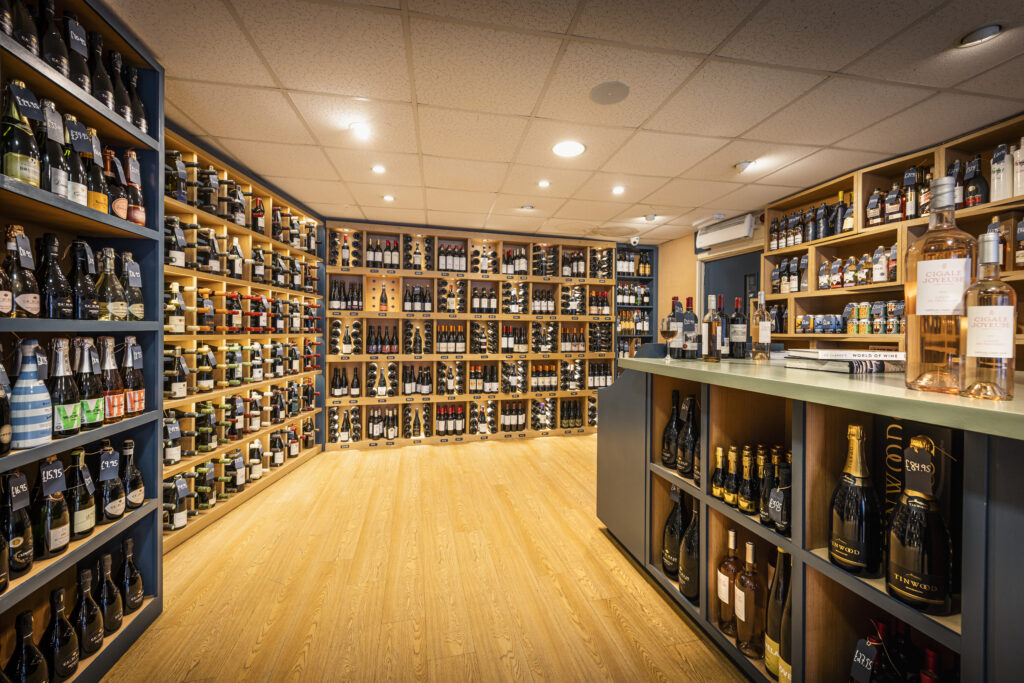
<point x="31" y="410"/>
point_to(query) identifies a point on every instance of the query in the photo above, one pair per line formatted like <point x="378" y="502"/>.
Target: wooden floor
<point x="479" y="562"/>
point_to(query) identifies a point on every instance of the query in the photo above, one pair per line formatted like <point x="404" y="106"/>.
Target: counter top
<point x="884" y="394"/>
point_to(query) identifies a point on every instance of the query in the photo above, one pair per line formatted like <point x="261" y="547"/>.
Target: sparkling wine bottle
<point x="131" y="283"/>
<point x="51" y="524"/>
<point x="87" y="618"/>
<point x="60" y="643"/>
<point x="19" y="267"/>
<point x="129" y="578"/>
<point x="102" y="88"/>
<point x="80" y="498"/>
<point x="113" y="386"/>
<point x="131" y="477"/>
<point x="110" y="499"/>
<point x="131" y="375"/>
<point x="112" y="302"/>
<point x="109" y="598"/>
<point x="672" y="536"/>
<point x="15" y="523"/>
<point x="31" y="409"/>
<point x="64" y="394"/>
<point x="78" y="51"/>
<point x="27" y="663"/>
<point x="855" y="522"/>
<point x="689" y="557"/>
<point x="20" y="152"/>
<point x="88" y="378"/>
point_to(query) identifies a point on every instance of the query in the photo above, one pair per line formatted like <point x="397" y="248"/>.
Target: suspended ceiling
<point x="465" y="98"/>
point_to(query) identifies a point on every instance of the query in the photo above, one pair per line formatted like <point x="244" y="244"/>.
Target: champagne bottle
<point x="749" y="608"/>
<point x="718" y="477"/>
<point x="20" y="152"/>
<point x="131" y="477"/>
<point x="130" y="578"/>
<point x="728" y="569"/>
<point x="670" y="435"/>
<point x="81" y="502"/>
<point x="53" y="169"/>
<point x="132" y="288"/>
<point x="27" y="663"/>
<point x="78" y="190"/>
<point x="64" y="394"/>
<point x="122" y="102"/>
<point x="109" y="598"/>
<point x="111" y="382"/>
<point x="78" y="51"/>
<point x="15" y="523"/>
<point x="19" y="266"/>
<point x="855" y="522"/>
<point x="6" y="295"/>
<point x="96" y="182"/>
<point x="731" y="483"/>
<point x="746" y="495"/>
<point x="672" y="536"/>
<point x="84" y="298"/>
<point x="778" y="595"/>
<point x="102" y="88"/>
<point x="114" y="180"/>
<point x="689" y="558"/>
<point x="56" y="299"/>
<point x="24" y="28"/>
<point x="60" y="643"/>
<point x="87" y="618"/>
<point x="139" y="117"/>
<point x="90" y="387"/>
<point x="51" y="524"/>
<point x="112" y="302"/>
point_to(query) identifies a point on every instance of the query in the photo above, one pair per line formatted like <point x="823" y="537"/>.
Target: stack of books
<point x="846" y="361"/>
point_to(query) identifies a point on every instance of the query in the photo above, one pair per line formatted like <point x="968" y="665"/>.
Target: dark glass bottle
<point x="24" y="288"/>
<point x="131" y="477"/>
<point x="54" y="288"/>
<point x="718" y="476"/>
<point x="746" y="495"/>
<point x="60" y="643"/>
<point x="27" y="664"/>
<point x="777" y="596"/>
<point x="689" y="558"/>
<point x="855" y="522"/>
<point x="16" y="525"/>
<point x="672" y="537"/>
<point x="670" y="435"/>
<point x="81" y="502"/>
<point x="129" y="578"/>
<point x="24" y="27"/>
<point x="975" y="186"/>
<point x="53" y="169"/>
<point x="117" y="196"/>
<point x="20" y="152"/>
<point x="78" y="190"/>
<point x="108" y="597"/>
<point x="136" y="211"/>
<point x="687" y="463"/>
<point x="51" y="525"/>
<point x="731" y="483"/>
<point x="95" y="181"/>
<point x="54" y="51"/>
<point x="110" y="499"/>
<point x="122" y="100"/>
<point x="64" y="394"/>
<point x="87" y="618"/>
<point x="769" y="481"/>
<point x="78" y="51"/>
<point x="102" y="88"/>
<point x="738" y="331"/>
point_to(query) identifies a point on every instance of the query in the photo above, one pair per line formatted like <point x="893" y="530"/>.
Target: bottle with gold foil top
<point x="113" y="176"/>
<point x="133" y="189"/>
<point x="113" y="387"/>
<point x="20" y="151"/>
<point x="95" y="181"/>
<point x="988" y="337"/>
<point x="730" y="488"/>
<point x="78" y="190"/>
<point x="777" y="597"/>
<point x="855" y="522"/>
<point x="718" y="477"/>
<point x="113" y="304"/>
<point x="747" y="499"/>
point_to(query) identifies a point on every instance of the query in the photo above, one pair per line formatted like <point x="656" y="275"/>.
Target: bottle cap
<point x="942" y="192"/>
<point x="988" y="248"/>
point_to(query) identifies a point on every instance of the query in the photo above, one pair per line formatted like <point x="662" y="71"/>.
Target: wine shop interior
<point x="486" y="340"/>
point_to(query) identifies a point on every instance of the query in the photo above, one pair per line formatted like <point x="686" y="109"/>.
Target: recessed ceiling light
<point x="980" y="35"/>
<point x="743" y="165"/>
<point x="527" y="207"/>
<point x="651" y="217"/>
<point x="568" y="148"/>
<point x="618" y="189"/>
<point x="379" y="169"/>
<point x="543" y="183"/>
<point x="389" y="198"/>
<point x="609" y="92"/>
<point x="360" y="129"/>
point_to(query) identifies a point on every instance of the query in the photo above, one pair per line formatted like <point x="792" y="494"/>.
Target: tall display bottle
<point x="778" y="594"/>
<point x="689" y="558"/>
<point x="988" y="341"/>
<point x="855" y="521"/>
<point x="670" y="436"/>
<point x="31" y="410"/>
<point x="939" y="269"/>
<point x="672" y="536"/>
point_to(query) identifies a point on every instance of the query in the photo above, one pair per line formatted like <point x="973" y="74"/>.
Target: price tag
<point x="134" y="176"/>
<point x="54" y="126"/>
<point x="183" y="365"/>
<point x="208" y="305"/>
<point x="51" y="476"/>
<point x="119" y="170"/>
<point x="44" y="365"/>
<point x="211" y="359"/>
<point x="97" y="152"/>
<point x="110" y="463"/>
<point x="180" y="166"/>
<point x="179" y="237"/>
<point x="134" y="274"/>
<point x="863" y="661"/>
<point x="775" y="500"/>
<point x="239" y="406"/>
<point x="136" y="356"/>
<point x="5" y="381"/>
<point x="25" y="252"/>
<point x="87" y="478"/>
<point x="78" y="136"/>
<point x="173" y="430"/>
<point x="27" y="103"/>
<point x="917" y="470"/>
<point x="181" y="487"/>
<point x="94" y="356"/>
<point x="214" y="182"/>
<point x="76" y="37"/>
<point x="19" y="491"/>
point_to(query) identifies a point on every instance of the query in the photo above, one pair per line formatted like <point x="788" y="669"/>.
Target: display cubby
<point x="40" y="211"/>
<point x="627" y="343"/>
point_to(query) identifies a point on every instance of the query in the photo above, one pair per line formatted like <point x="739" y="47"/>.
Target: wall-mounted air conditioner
<point x="738" y="228"/>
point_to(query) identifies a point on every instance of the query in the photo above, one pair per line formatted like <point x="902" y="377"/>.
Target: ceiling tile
<point x="392" y="125"/>
<point x="942" y="117"/>
<point x="681" y="192"/>
<point x="754" y="197"/>
<point x="695" y="26"/>
<point x="543" y="134"/>
<point x="589" y="210"/>
<point x="469" y="135"/>
<point x="458" y="200"/>
<point x="511" y="205"/>
<point x="460" y="174"/>
<point x="376" y="213"/>
<point x="767" y="157"/>
<point x="651" y="76"/>
<point x="637" y="215"/>
<point x="314" y="191"/>
<point x="456" y="219"/>
<point x="540" y="15"/>
<point x="181" y="120"/>
<point x="373" y="195"/>
<point x="662" y="154"/>
<point x="838" y="107"/>
<point x="667" y="232"/>
<point x="928" y="52"/>
<point x="635" y="187"/>
<point x="471" y="67"/>
<point x="356" y="166"/>
<point x="720" y="98"/>
<point x="1006" y="79"/>
<point x="520" y="223"/>
<point x="268" y="114"/>
<point x="176" y="34"/>
<point x="560" y="227"/>
<point x="338" y="211"/>
<point x="322" y="48"/>
<point x="820" y="35"/>
<point x="563" y="182"/>
<point x="286" y="161"/>
<point x="705" y="216"/>
<point x="820" y="166"/>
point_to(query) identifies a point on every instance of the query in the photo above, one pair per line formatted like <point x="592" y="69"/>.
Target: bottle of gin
<point x="988" y="338"/>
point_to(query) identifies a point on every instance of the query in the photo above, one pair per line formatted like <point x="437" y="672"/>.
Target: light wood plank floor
<point x="479" y="562"/>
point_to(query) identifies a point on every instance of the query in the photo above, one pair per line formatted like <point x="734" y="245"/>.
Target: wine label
<point x="990" y="331"/>
<point x="293" y="449"/>
<point x="59" y="536"/>
<point x="705" y="335"/>
<point x="172" y="454"/>
<point x="741" y="605"/>
<point x="67" y="417"/>
<point x="845" y="554"/>
<point x="136" y="497"/>
<point x="22" y="167"/>
<point x="135" y="400"/>
<point x="738" y="333"/>
<point x="115" y="508"/>
<point x="256" y="470"/>
<point x="58" y="181"/>
<point x="941" y="284"/>
<point x="724" y="588"/>
<point x="771" y="656"/>
<point x="92" y="410"/>
<point x="114" y="310"/>
<point x="179" y="519"/>
<point x="84" y="520"/>
<point x="764" y="332"/>
<point x="98" y="201"/>
<point x="78" y="193"/>
<point x="785" y="671"/>
<point x="29" y="302"/>
<point x="178" y="389"/>
<point x="6" y="301"/>
<point x="113" y="405"/>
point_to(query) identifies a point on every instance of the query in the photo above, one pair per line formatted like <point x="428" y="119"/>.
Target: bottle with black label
<point x="78" y="49"/>
<point x="110" y="498"/>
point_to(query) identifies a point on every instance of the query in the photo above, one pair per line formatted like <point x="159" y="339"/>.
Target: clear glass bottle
<point x="761" y="331"/>
<point x="728" y="569"/>
<point x="113" y="387"/>
<point x="988" y="336"/>
<point x="749" y="608"/>
<point x="939" y="267"/>
<point x="711" y="333"/>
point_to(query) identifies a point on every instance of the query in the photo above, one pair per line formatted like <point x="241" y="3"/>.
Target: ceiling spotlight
<point x="651" y="217"/>
<point x="543" y="183"/>
<point x="378" y="169"/>
<point x="609" y="92"/>
<point x="389" y="198"/>
<point x="568" y="148"/>
<point x="527" y="207"/>
<point x="743" y="165"/>
<point x="980" y="35"/>
<point x="618" y="189"/>
<point x="360" y="129"/>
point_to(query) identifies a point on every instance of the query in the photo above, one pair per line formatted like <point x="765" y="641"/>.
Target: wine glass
<point x="667" y="332"/>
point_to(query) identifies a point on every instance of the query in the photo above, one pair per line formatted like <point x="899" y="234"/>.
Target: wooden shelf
<point x="174" y="271"/>
<point x="464" y="438"/>
<point x="420" y="399"/>
<point x="849" y="291"/>
<point x="475" y="277"/>
<point x="481" y="317"/>
<point x="858" y="338"/>
<point x="218" y="393"/>
<point x="94" y="666"/>
<point x="410" y="358"/>
<point x="204" y="518"/>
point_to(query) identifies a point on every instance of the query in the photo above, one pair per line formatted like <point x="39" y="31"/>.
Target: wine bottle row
<point x="763" y="487"/>
<point x="238" y="313"/>
<point x="631" y="263"/>
<point x="239" y="366"/>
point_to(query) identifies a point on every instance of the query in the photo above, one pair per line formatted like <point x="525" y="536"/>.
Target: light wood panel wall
<point x="677" y="273"/>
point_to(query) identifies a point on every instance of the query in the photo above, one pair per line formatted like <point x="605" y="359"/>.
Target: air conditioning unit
<point x="739" y="228"/>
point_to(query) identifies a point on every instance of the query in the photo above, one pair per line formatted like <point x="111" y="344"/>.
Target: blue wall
<point x="727" y="276"/>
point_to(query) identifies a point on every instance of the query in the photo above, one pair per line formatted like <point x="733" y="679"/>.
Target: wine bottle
<point x="16" y="524"/>
<point x="80" y="499"/>
<point x="109" y="598"/>
<point x="919" y="566"/>
<point x="87" y="618"/>
<point x="749" y="608"/>
<point x="988" y="337"/>
<point x="60" y="643"/>
<point x="731" y="483"/>
<point x="728" y="569"/>
<point x="20" y="152"/>
<point x="112" y="302"/>
<point x="84" y="298"/>
<point x="122" y="101"/>
<point x="111" y="382"/>
<point x="786" y="639"/>
<point x="89" y="382"/>
<point x="131" y="284"/>
<point x="54" y="288"/>
<point x="130" y="578"/>
<point x="5" y="413"/>
<point x="670" y="435"/>
<point x="689" y="557"/>
<point x="78" y="51"/>
<point x="778" y="594"/>
<point x="53" y="169"/>
<point x="27" y="663"/>
<point x="746" y="494"/>
<point x="131" y="477"/>
<point x="24" y="29"/>
<point x="102" y="88"/>
<point x="687" y="455"/>
<point x="6" y="295"/>
<point x="64" y="394"/>
<point x="19" y="266"/>
<point x="115" y="182"/>
<point x="31" y="409"/>
<point x="51" y="524"/>
<point x="131" y="375"/>
<point x="718" y="477"/>
<point x="855" y="521"/>
<point x="672" y="536"/>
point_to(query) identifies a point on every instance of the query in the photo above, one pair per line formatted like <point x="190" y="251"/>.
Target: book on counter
<point x="850" y="367"/>
<point x="847" y="354"/>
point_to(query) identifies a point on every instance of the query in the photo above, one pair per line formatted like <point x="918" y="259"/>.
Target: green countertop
<point x="883" y="394"/>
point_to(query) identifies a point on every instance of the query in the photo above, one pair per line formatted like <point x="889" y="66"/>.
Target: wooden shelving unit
<point x="632" y="341"/>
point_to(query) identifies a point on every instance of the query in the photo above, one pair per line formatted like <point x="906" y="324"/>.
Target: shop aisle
<point x="483" y="562"/>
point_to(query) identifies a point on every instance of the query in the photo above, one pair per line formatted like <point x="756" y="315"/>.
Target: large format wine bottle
<point x="920" y="549"/>
<point x="672" y="536"/>
<point x="109" y="598"/>
<point x="749" y="607"/>
<point x="728" y="569"/>
<point x="64" y="394"/>
<point x="15" y="523"/>
<point x="51" y="524"/>
<point x="87" y="618"/>
<point x="27" y="664"/>
<point x="855" y="522"/>
<point x="778" y="594"/>
<point x="60" y="643"/>
<point x="689" y="557"/>
<point x="670" y="435"/>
